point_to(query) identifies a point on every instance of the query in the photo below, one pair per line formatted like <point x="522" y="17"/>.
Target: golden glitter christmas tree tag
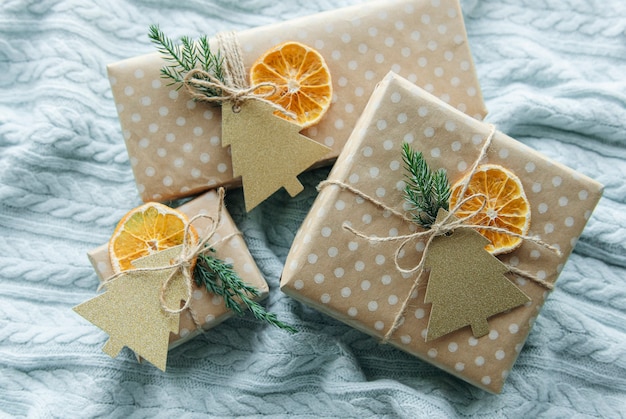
<point x="130" y="310"/>
<point x="466" y="283"/>
<point x="268" y="152"/>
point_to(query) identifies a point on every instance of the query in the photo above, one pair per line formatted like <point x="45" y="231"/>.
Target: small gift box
<point x="174" y="143"/>
<point x="352" y="257"/>
<point x="205" y="310"/>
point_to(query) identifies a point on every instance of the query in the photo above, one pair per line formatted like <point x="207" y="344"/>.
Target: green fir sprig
<point x="425" y="190"/>
<point x="186" y="56"/>
<point x="219" y="278"/>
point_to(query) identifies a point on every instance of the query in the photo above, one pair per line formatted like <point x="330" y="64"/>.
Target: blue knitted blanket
<point x="553" y="75"/>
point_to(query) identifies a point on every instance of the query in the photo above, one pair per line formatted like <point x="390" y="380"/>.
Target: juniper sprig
<point x="219" y="278"/>
<point x="425" y="190"/>
<point x="186" y="56"/>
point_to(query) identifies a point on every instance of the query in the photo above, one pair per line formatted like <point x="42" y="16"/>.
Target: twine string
<point x="188" y="254"/>
<point x="371" y="199"/>
<point x="234" y="70"/>
<point x="234" y="88"/>
<point x="446" y="225"/>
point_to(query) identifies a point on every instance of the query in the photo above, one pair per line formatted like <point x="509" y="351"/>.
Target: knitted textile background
<point x="553" y="75"/>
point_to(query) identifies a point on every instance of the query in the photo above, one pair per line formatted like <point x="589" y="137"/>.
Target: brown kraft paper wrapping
<point x="209" y="308"/>
<point x="352" y="280"/>
<point x="174" y="143"/>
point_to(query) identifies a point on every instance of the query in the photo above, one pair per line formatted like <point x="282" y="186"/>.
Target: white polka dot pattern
<point x="163" y="126"/>
<point x="447" y="137"/>
<point x="207" y="308"/>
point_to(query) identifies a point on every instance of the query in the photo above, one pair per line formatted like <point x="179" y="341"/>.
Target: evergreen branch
<point x="220" y="278"/>
<point x="171" y="73"/>
<point x="185" y="57"/>
<point x="166" y="47"/>
<point x="188" y="52"/>
<point x="425" y="190"/>
<point x="208" y="60"/>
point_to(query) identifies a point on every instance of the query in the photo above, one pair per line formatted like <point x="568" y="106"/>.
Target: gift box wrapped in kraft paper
<point x="175" y="145"/>
<point x="346" y="262"/>
<point x="208" y="309"/>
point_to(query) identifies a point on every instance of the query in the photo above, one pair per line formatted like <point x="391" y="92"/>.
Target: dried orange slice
<point x="302" y="77"/>
<point x="506" y="206"/>
<point x="146" y="230"/>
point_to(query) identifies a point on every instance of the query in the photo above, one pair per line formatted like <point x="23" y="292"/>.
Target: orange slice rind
<point x="146" y="230"/>
<point x="302" y="78"/>
<point x="506" y="206"/>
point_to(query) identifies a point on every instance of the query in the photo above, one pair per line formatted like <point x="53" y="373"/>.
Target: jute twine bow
<point x="234" y="88"/>
<point x="184" y="262"/>
<point x="448" y="224"/>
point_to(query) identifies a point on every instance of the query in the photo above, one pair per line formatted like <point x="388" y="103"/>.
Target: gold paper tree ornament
<point x="268" y="152"/>
<point x="466" y="284"/>
<point x="130" y="310"/>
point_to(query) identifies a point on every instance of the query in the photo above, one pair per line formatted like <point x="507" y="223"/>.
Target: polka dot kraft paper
<point x="175" y="144"/>
<point x="209" y="309"/>
<point x="356" y="281"/>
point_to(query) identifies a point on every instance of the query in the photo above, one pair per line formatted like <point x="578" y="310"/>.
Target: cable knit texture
<point x="553" y="74"/>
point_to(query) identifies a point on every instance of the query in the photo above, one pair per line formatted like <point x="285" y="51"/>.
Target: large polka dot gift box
<point x="209" y="309"/>
<point x="356" y="280"/>
<point x="175" y="144"/>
